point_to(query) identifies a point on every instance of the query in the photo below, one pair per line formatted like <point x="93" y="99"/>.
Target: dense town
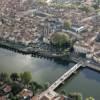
<point x="36" y="24"/>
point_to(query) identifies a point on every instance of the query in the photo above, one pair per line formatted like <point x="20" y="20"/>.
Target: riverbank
<point x="27" y="50"/>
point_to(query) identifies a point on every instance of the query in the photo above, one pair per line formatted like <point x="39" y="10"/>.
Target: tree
<point x="98" y="3"/>
<point x="60" y="39"/>
<point x="95" y="6"/>
<point x="12" y="97"/>
<point x="87" y="9"/>
<point x="90" y="98"/>
<point x="3" y="77"/>
<point x="35" y="87"/>
<point x="26" y="77"/>
<point x="14" y="76"/>
<point x="16" y="88"/>
<point x="68" y="24"/>
<point x="45" y="86"/>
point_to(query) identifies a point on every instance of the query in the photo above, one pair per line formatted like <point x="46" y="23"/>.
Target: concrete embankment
<point x="94" y="67"/>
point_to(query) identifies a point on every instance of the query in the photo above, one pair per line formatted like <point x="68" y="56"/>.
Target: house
<point x="81" y="48"/>
<point x="88" y="2"/>
<point x="26" y="94"/>
<point x="44" y="98"/>
<point x="77" y="28"/>
<point x="3" y="98"/>
<point x="7" y="89"/>
<point x="35" y="98"/>
<point x="96" y="57"/>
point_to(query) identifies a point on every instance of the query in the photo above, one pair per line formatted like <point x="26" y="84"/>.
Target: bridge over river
<point x="65" y="76"/>
<point x="49" y="93"/>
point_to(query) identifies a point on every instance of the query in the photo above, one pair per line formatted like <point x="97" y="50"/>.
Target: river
<point x="43" y="70"/>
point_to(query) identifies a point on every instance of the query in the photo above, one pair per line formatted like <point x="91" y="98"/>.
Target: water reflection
<point x="91" y="74"/>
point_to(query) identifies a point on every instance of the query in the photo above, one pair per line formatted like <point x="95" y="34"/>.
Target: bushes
<point x="75" y="96"/>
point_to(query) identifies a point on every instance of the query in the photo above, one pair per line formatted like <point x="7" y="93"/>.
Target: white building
<point x="81" y="48"/>
<point x="78" y="29"/>
<point x="96" y="57"/>
<point x="46" y="40"/>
